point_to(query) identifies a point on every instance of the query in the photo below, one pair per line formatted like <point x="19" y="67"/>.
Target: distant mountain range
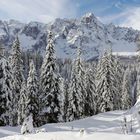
<point x="87" y="32"/>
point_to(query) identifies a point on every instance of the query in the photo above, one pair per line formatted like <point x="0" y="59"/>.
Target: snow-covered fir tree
<point x="80" y="70"/>
<point x="66" y="99"/>
<point x="126" y="90"/>
<point x="138" y="87"/>
<point x="6" y="92"/>
<point x="138" y="70"/>
<point x="62" y="101"/>
<point x="22" y="103"/>
<point x="119" y="74"/>
<point x="91" y="102"/>
<point x="115" y="73"/>
<point x="138" y="77"/>
<point x="106" y="83"/>
<point x="101" y="86"/>
<point x="17" y="70"/>
<point x="75" y="106"/>
<point x="133" y="78"/>
<point x="32" y="99"/>
<point x="77" y="91"/>
<point x="50" y="86"/>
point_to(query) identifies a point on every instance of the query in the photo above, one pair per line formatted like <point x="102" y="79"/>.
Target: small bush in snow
<point x="40" y="130"/>
<point x="82" y="132"/>
<point x="124" y="125"/>
<point x="27" y="126"/>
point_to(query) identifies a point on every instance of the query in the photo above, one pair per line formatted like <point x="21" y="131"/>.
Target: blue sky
<point x="120" y="12"/>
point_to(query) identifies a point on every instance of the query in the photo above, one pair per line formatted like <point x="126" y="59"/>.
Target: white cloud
<point x="132" y="19"/>
<point x="47" y="10"/>
<point x="112" y="18"/>
<point x="40" y="10"/>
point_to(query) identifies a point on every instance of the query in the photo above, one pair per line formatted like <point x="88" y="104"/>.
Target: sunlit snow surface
<point x="105" y="126"/>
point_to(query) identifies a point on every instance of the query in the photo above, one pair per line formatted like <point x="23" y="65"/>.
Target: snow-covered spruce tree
<point x="106" y="88"/>
<point x="137" y="95"/>
<point x="119" y="79"/>
<point x="6" y="91"/>
<point x="27" y="126"/>
<point x="116" y="69"/>
<point x="138" y="84"/>
<point x="22" y="103"/>
<point x="17" y="70"/>
<point x="62" y="101"/>
<point x="75" y="105"/>
<point x="90" y="105"/>
<point x="66" y="99"/>
<point x="134" y="76"/>
<point x="115" y="73"/>
<point x="126" y="90"/>
<point x="77" y="91"/>
<point x="32" y="100"/>
<point x="50" y="86"/>
<point x="80" y="70"/>
<point x="103" y="96"/>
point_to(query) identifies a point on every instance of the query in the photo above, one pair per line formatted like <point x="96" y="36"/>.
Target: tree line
<point x="52" y="92"/>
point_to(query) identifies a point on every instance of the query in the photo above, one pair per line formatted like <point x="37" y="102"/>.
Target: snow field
<point x="104" y="126"/>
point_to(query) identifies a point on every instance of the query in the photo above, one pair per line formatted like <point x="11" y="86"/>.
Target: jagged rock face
<point x="87" y="32"/>
<point x="31" y="31"/>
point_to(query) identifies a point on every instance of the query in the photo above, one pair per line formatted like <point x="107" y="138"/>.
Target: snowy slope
<point x="87" y="32"/>
<point x="74" y="136"/>
<point x="105" y="126"/>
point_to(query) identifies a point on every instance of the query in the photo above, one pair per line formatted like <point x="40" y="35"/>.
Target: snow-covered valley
<point x="104" y="126"/>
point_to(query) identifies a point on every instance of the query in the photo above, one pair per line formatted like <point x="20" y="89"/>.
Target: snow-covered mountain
<point x="87" y="32"/>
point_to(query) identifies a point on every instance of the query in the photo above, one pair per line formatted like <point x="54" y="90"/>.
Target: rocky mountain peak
<point x="87" y="32"/>
<point x="88" y="18"/>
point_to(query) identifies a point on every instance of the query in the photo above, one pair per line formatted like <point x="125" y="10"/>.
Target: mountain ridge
<point x="87" y="32"/>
